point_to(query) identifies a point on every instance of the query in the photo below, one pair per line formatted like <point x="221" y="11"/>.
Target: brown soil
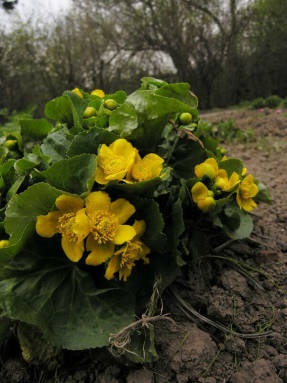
<point x="251" y="303"/>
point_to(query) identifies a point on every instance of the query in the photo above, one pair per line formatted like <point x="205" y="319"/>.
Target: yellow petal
<point x="113" y="267"/>
<point x="233" y="180"/>
<point x="113" y="166"/>
<point x="155" y="163"/>
<point x="140" y="227"/>
<point x="122" y="147"/>
<point x="100" y="177"/>
<point x="208" y="168"/>
<point x="46" y="225"/>
<point x="123" y="234"/>
<point x="123" y="209"/>
<point x="124" y="273"/>
<point x="199" y="191"/>
<point x="206" y="204"/>
<point x="145" y="251"/>
<point x="221" y="181"/>
<point x="247" y="204"/>
<point x="248" y="188"/>
<point x="81" y="225"/>
<point x="149" y="167"/>
<point x="118" y="176"/>
<point x="67" y="203"/>
<point x="97" y="201"/>
<point x="99" y="253"/>
<point x="73" y="250"/>
<point x="105" y="153"/>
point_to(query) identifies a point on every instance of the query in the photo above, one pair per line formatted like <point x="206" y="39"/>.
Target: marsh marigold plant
<point x="102" y="198"/>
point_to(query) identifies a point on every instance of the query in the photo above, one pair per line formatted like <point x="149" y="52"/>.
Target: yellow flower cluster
<point x="97" y="225"/>
<point x="120" y="161"/>
<point x="242" y="185"/>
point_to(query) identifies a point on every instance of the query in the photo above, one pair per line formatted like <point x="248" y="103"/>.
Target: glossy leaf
<point x="74" y="175"/>
<point x="64" y="302"/>
<point x="21" y="214"/>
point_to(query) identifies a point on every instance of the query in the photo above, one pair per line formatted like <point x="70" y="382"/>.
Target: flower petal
<point x="116" y="176"/>
<point x="247" y="204"/>
<point x="233" y="180"/>
<point x="123" y="234"/>
<point x="100" y="176"/>
<point x="221" y="181"/>
<point x="97" y="201"/>
<point x="46" y="225"/>
<point x="122" y="147"/>
<point x="104" y="154"/>
<point x="113" y="267"/>
<point x="81" y="225"/>
<point x="124" y="273"/>
<point x="73" y="250"/>
<point x="123" y="209"/>
<point x="140" y="227"/>
<point x="206" y="204"/>
<point x="67" y="203"/>
<point x="154" y="162"/>
<point x="148" y="167"/>
<point x="99" y="253"/>
<point x="208" y="168"/>
<point x="199" y="191"/>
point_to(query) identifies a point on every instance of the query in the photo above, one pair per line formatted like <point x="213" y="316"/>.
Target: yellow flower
<point x="98" y="92"/>
<point x="63" y="221"/>
<point x="202" y="196"/>
<point x="4" y="243"/>
<point x="114" y="162"/>
<point x="148" y="167"/>
<point x="246" y="191"/>
<point x="104" y="220"/>
<point x="78" y="92"/>
<point x="208" y="168"/>
<point x="123" y="260"/>
<point x="224" y="183"/>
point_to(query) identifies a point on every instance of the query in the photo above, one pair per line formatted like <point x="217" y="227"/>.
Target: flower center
<point x="104" y="225"/>
<point x="130" y="253"/>
<point x="65" y="226"/>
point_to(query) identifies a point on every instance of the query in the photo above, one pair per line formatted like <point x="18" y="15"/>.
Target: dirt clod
<point x="260" y="371"/>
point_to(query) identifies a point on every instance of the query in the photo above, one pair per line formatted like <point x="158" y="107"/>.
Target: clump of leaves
<point x="258" y="103"/>
<point x="273" y="101"/>
<point x="102" y="199"/>
<point x="226" y="131"/>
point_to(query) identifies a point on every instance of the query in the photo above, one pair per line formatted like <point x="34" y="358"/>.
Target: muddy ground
<point x="241" y="336"/>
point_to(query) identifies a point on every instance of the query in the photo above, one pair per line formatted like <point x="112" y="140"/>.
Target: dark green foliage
<point x="273" y="101"/>
<point x="258" y="103"/>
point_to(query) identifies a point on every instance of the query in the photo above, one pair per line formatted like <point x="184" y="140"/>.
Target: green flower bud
<point x="185" y="118"/>
<point x="110" y="104"/>
<point x="89" y="112"/>
<point x="10" y="144"/>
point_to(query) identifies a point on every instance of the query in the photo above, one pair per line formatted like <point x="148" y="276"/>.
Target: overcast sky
<point x="47" y="9"/>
